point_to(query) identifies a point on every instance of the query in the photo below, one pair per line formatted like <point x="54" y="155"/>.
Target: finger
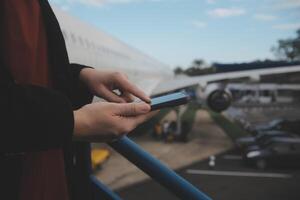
<point x="110" y="96"/>
<point x="133" y="109"/>
<point x="127" y="97"/>
<point x="133" y="122"/>
<point x="133" y="89"/>
<point x="142" y="118"/>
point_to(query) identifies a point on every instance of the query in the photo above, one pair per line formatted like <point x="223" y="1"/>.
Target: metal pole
<point x="155" y="169"/>
<point x="101" y="191"/>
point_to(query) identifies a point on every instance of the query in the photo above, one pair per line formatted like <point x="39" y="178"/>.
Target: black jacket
<point x="34" y="118"/>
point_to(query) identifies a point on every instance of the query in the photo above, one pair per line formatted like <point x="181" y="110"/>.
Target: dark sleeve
<point x="81" y="94"/>
<point x="33" y="118"/>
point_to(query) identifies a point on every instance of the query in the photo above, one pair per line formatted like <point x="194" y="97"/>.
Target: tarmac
<point x="231" y="178"/>
<point x="206" y="139"/>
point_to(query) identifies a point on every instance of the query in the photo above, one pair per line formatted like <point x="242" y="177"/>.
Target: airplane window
<point x="80" y="41"/>
<point x="73" y="38"/>
<point x="100" y="50"/>
<point x="87" y="43"/>
<point x="105" y="50"/>
<point x="93" y="46"/>
<point x="65" y="34"/>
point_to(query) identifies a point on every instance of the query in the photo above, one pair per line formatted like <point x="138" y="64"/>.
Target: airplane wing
<point x="182" y="82"/>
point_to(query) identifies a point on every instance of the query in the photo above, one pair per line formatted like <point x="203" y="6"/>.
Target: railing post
<point x="159" y="172"/>
<point x="101" y="191"/>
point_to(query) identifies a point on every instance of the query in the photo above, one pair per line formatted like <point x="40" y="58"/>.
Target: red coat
<point x="39" y="89"/>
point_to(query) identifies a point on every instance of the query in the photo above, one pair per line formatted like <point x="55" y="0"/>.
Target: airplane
<point x="91" y="46"/>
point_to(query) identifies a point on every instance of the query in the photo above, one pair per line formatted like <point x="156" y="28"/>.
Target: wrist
<point x="80" y="125"/>
<point x="85" y="73"/>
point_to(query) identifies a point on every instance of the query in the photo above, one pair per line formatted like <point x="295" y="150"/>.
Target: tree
<point x="198" y="63"/>
<point x="198" y="67"/>
<point x="288" y="49"/>
<point x="178" y="70"/>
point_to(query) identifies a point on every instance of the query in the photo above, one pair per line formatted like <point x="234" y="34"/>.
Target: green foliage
<point x="288" y="49"/>
<point x="178" y="70"/>
<point x="198" y="67"/>
<point x="194" y="71"/>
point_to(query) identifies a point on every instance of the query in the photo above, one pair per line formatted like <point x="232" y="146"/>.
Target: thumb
<point x="133" y="109"/>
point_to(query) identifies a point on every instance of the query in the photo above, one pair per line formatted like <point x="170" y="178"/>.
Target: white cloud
<point x="102" y="2"/>
<point x="199" y="24"/>
<point x="226" y="12"/>
<point x="211" y="1"/>
<point x="263" y="17"/>
<point x="290" y="26"/>
<point x="96" y="2"/>
<point x="287" y="4"/>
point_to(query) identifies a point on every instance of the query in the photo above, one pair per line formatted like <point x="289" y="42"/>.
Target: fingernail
<point x="149" y="100"/>
<point x="145" y="108"/>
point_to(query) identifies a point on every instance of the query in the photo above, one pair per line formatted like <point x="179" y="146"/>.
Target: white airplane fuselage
<point x="89" y="46"/>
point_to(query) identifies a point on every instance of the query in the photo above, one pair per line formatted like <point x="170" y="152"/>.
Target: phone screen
<point x="170" y="100"/>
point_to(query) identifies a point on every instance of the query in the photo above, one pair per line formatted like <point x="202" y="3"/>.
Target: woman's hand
<point x="102" y="84"/>
<point x="103" y="121"/>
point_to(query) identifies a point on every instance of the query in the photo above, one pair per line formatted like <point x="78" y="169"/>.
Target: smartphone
<point x="170" y="100"/>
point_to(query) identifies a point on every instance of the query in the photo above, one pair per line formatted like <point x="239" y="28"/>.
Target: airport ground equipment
<point x="289" y="125"/>
<point x="98" y="157"/>
<point x="261" y="138"/>
<point x="279" y="151"/>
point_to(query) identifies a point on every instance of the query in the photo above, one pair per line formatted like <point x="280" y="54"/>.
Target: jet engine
<point x="216" y="97"/>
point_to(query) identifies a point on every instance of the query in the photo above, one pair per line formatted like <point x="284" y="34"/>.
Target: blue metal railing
<point x="101" y="191"/>
<point x="155" y="169"/>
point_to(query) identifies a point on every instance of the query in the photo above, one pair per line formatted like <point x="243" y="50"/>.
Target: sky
<point x="178" y="31"/>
